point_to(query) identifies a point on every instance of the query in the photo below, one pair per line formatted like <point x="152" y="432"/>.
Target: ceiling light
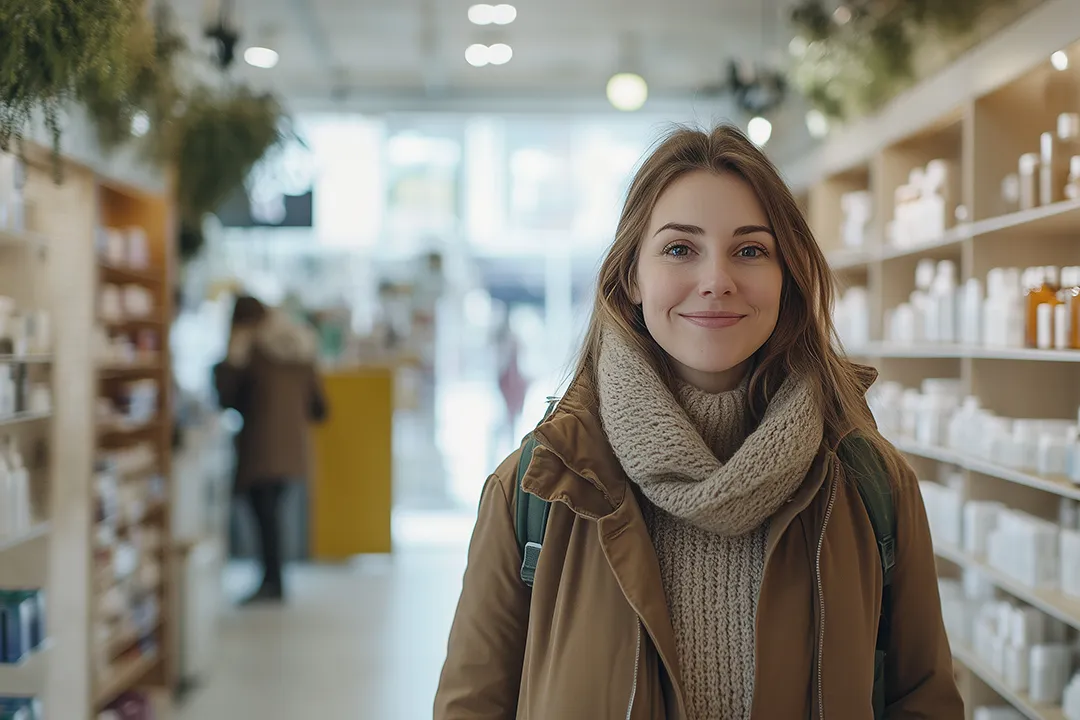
<point x="477" y="55"/>
<point x="798" y="46"/>
<point x="500" y="54"/>
<point x="261" y="57"/>
<point x="1060" y="60"/>
<point x="817" y="124"/>
<point x="842" y="15"/>
<point x="140" y="124"/>
<point x="627" y="91"/>
<point x="760" y="130"/>
<point x="481" y="14"/>
<point x="503" y="14"/>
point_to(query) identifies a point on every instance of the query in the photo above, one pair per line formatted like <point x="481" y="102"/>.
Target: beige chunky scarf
<point x="710" y="489"/>
<point x="663" y="452"/>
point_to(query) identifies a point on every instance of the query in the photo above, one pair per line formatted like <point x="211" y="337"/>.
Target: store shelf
<point x="26" y="359"/>
<point x="124" y="642"/>
<point x="117" y="274"/>
<point x="23" y="239"/>
<point x="24" y="417"/>
<point x="125" y="675"/>
<point x="950" y="239"/>
<point x="1021" y="701"/>
<point x="974" y="352"/>
<point x="1051" y="602"/>
<point x="134" y="368"/>
<point x="37" y="533"/>
<point x="132" y="322"/>
<point x="850" y="259"/>
<point x="1059" y="218"/>
<point x="1057" y="485"/>
<point x="28" y="677"/>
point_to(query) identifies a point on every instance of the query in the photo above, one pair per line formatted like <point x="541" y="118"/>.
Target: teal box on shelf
<point x="20" y="708"/>
<point x="21" y="624"/>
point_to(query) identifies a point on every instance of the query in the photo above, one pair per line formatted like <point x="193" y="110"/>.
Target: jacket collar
<point x="573" y="437"/>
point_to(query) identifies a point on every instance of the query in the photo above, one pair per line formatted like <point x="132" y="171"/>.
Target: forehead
<point x="713" y="201"/>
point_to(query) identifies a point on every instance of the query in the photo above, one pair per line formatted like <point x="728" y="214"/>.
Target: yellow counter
<point x="352" y="478"/>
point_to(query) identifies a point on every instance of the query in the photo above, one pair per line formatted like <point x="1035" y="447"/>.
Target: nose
<point x="716" y="279"/>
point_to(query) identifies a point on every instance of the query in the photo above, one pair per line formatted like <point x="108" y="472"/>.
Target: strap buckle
<point x="887" y="548"/>
<point x="529" y="559"/>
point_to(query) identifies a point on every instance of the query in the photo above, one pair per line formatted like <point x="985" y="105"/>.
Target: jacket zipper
<point x="637" y="666"/>
<point x="821" y="605"/>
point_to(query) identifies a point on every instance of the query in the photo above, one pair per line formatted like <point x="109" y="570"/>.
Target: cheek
<point x="661" y="289"/>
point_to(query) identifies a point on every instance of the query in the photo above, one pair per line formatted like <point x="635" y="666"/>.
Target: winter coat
<point x="593" y="639"/>
<point x="270" y="378"/>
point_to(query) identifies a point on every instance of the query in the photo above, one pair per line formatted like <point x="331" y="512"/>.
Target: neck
<point x="713" y="382"/>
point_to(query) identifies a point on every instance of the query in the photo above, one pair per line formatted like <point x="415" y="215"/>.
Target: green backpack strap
<point x="876" y="492"/>
<point x="532" y="512"/>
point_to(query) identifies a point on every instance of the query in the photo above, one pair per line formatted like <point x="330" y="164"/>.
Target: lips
<point x="713" y="319"/>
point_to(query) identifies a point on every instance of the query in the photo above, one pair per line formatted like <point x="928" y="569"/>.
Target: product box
<point x="22" y="624"/>
<point x="20" y="708"/>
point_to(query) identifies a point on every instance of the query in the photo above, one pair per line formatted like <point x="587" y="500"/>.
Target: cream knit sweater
<point x="711" y="488"/>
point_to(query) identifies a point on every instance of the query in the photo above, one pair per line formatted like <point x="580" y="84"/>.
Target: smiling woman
<point x="688" y="535"/>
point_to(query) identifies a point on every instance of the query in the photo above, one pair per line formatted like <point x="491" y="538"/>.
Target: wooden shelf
<point x="1059" y="218"/>
<point x="26" y="359"/>
<point x="28" y="677"/>
<point x="950" y="239"/>
<point x="928" y="351"/>
<point x="122" y="643"/>
<point x="120" y="275"/>
<point x="21" y="239"/>
<point x="126" y="675"/>
<point x="37" y="533"/>
<point x="1052" y="602"/>
<point x="135" y="322"/>
<point x="1021" y="701"/>
<point x="134" y="368"/>
<point x="23" y="417"/>
<point x="1056" y="485"/>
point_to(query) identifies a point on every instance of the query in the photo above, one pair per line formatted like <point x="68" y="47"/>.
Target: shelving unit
<point x="982" y="135"/>
<point x="133" y="645"/>
<point x="25" y="278"/>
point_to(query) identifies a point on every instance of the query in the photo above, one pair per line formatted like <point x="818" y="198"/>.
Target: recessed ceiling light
<point x="477" y="55"/>
<point x="1060" y="60"/>
<point x="500" y="54"/>
<point x="842" y="15"/>
<point x="760" y="130"/>
<point x="481" y="14"/>
<point x="261" y="57"/>
<point x="503" y="14"/>
<point x="627" y="91"/>
<point x="817" y="124"/>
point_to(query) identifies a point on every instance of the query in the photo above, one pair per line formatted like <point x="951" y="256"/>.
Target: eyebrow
<point x="695" y="230"/>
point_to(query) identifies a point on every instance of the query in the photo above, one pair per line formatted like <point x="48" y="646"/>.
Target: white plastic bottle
<point x="20" y="485"/>
<point x="7" y="500"/>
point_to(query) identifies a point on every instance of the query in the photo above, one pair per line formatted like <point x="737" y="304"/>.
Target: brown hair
<point x="247" y="311"/>
<point x="801" y="343"/>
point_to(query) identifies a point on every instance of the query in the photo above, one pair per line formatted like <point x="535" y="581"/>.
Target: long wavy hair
<point x="802" y="343"/>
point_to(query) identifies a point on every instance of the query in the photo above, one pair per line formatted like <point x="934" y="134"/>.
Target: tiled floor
<point x="364" y="640"/>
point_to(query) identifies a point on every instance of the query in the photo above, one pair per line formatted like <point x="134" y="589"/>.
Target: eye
<point x="752" y="252"/>
<point x="677" y="249"/>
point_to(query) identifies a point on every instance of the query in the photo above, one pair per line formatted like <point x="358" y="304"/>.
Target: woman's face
<point x="709" y="278"/>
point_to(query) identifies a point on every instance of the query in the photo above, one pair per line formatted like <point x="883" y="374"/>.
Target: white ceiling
<point x="406" y="54"/>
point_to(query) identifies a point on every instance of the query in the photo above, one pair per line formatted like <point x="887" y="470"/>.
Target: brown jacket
<point x="593" y="640"/>
<point x="270" y="378"/>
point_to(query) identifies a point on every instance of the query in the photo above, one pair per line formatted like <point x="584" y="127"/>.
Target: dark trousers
<point x="265" y="499"/>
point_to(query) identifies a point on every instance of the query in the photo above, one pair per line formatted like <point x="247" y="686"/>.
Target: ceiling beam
<point x="310" y="27"/>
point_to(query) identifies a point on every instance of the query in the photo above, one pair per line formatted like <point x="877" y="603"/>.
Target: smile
<point x="714" y="319"/>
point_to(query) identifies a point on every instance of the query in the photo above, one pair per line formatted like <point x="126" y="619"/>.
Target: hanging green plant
<point x="49" y="48"/>
<point x="152" y="95"/>
<point x="853" y="60"/>
<point x="215" y="141"/>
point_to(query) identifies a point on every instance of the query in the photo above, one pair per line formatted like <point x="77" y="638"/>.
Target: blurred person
<point x="513" y="385"/>
<point x="269" y="376"/>
<point x="708" y="551"/>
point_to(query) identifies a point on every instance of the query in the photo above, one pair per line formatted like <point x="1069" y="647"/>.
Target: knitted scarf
<point x="662" y="450"/>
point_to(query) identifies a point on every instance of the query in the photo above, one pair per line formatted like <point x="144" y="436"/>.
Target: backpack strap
<point x="875" y="490"/>
<point x="532" y="512"/>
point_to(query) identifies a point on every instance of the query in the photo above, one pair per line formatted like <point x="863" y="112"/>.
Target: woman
<point x="707" y="555"/>
<point x="269" y="377"/>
